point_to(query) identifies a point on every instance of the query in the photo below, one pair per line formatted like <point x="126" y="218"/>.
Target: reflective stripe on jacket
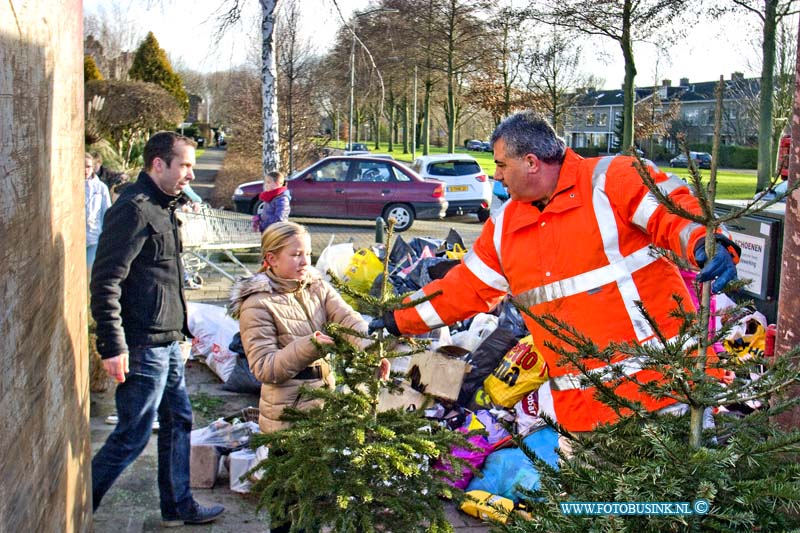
<point x="585" y="259"/>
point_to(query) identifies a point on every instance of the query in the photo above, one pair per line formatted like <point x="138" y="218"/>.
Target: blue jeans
<point x="155" y="384"/>
<point x="91" y="253"/>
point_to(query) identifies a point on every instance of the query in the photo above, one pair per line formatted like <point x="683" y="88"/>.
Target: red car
<point x="355" y="187"/>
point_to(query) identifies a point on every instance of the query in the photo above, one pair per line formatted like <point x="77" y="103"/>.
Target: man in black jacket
<point x="140" y="310"/>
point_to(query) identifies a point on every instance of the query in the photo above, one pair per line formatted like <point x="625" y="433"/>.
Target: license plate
<point x="457" y="188"/>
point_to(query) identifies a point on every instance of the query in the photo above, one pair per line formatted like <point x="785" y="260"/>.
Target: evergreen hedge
<point x="731" y="156"/>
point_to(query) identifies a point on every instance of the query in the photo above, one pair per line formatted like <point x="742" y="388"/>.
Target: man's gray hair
<point x="528" y="132"/>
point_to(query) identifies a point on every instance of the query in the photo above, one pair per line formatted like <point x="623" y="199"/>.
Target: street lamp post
<point x="356" y="16"/>
<point x="414" y="121"/>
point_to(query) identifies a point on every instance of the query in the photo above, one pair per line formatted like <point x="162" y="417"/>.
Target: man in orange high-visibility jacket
<point x="575" y="241"/>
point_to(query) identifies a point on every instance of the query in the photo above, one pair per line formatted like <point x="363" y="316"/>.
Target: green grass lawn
<point x="731" y="184"/>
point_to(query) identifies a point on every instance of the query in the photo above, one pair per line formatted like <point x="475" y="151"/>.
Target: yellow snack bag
<point x="749" y="345"/>
<point x="521" y="371"/>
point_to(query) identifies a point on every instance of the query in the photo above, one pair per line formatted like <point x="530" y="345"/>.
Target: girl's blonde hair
<point x="276" y="236"/>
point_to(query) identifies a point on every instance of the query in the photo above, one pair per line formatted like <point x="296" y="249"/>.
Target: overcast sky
<point x="184" y="29"/>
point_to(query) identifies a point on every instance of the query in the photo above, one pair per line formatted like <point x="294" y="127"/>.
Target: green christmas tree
<point x="348" y="465"/>
<point x="740" y="474"/>
<point x="150" y="64"/>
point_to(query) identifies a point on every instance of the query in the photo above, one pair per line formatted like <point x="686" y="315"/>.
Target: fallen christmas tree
<point x="347" y="466"/>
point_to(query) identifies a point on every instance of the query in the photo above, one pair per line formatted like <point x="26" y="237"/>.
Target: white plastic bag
<point x="241" y="462"/>
<point x="481" y="327"/>
<point x="213" y="331"/>
<point x="262" y="452"/>
<point x="336" y="258"/>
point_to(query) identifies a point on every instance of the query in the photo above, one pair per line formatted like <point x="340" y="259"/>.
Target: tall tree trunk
<point x="269" y="88"/>
<point x="450" y="107"/>
<point x="765" y="96"/>
<point x="426" y="118"/>
<point x="390" y="132"/>
<point x="629" y="95"/>
<point x="789" y="292"/>
<point x="450" y="112"/>
<point x="377" y="122"/>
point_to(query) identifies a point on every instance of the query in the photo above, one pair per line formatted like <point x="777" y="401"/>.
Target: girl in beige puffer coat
<point x="280" y="309"/>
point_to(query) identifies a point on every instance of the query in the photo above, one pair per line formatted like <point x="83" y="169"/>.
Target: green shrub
<point x="588" y="151"/>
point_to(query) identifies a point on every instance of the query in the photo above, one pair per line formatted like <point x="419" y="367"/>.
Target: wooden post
<point x="788" y="334"/>
<point x="44" y="386"/>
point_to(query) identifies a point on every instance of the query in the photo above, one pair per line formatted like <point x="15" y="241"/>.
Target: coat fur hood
<point x="261" y="282"/>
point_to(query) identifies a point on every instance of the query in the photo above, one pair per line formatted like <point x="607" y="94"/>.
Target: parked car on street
<point x="468" y="187"/>
<point x="355" y="187"/>
<point x="474" y="145"/>
<point x="486" y="146"/>
<point x="368" y="154"/>
<point x="357" y="147"/>
<point x="701" y="159"/>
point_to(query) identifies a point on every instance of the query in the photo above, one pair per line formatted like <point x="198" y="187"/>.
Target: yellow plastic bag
<point x="521" y="370"/>
<point x="364" y="267"/>
<point x="458" y="252"/>
<point x="487" y="506"/>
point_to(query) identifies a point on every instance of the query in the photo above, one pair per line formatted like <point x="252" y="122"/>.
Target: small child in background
<point x="276" y="198"/>
<point x="97" y="201"/>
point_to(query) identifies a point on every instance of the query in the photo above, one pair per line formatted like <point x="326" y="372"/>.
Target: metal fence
<point x="215" y="230"/>
<point x="213" y="238"/>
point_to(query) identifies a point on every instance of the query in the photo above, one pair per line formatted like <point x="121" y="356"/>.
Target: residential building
<point x="595" y="117"/>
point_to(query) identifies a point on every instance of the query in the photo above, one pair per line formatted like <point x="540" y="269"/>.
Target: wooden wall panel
<point x="44" y="394"/>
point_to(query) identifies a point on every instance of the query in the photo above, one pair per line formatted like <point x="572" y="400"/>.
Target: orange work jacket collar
<point x="565" y="197"/>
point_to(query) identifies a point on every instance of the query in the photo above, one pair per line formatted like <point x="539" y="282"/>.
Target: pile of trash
<point x="485" y="373"/>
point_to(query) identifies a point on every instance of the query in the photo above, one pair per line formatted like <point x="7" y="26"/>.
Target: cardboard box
<point x="203" y="466"/>
<point x="441" y="375"/>
<point x="408" y="399"/>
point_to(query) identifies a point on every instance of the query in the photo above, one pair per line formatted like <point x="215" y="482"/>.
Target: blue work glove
<point x="386" y="321"/>
<point x="722" y="267"/>
<point x="377" y="324"/>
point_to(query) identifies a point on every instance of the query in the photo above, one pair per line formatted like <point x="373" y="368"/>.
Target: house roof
<point x="687" y="92"/>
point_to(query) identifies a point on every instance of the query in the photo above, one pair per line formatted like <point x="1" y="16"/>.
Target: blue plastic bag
<point x="506" y="469"/>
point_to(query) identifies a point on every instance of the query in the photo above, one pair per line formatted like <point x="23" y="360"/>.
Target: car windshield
<point x="454" y="168"/>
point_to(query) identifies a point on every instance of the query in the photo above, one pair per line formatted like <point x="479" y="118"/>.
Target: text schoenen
<point x="198" y="515"/>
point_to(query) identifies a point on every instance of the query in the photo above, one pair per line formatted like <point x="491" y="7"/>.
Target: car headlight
<point x="238" y="192"/>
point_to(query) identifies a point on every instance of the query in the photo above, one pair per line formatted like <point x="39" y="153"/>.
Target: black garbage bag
<point x="453" y="238"/>
<point x="484" y="359"/>
<point x="425" y="271"/>
<point x="418" y="244"/>
<point x="511" y="318"/>
<point x="241" y="379"/>
<point x="402" y="255"/>
<point x="422" y="273"/>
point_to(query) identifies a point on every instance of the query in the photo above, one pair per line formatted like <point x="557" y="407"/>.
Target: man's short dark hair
<point x="160" y="145"/>
<point x="528" y="132"/>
